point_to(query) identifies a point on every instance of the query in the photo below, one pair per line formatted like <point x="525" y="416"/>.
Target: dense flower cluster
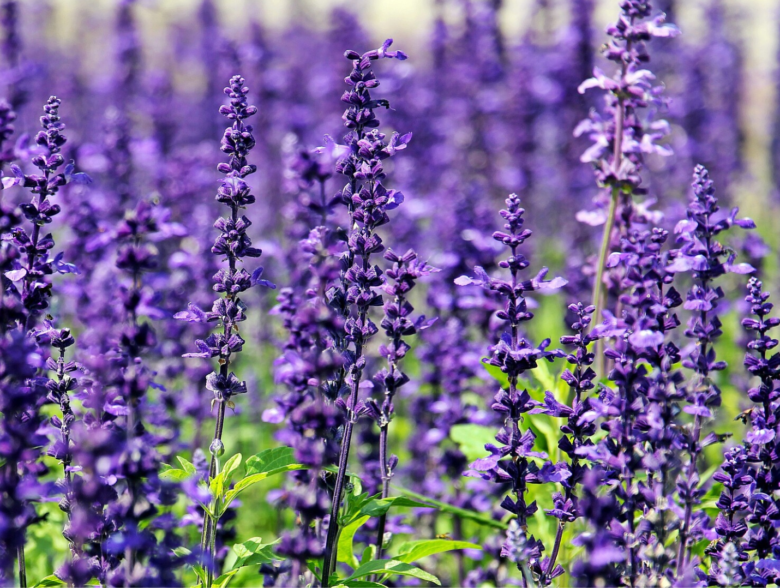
<point x="514" y="356"/>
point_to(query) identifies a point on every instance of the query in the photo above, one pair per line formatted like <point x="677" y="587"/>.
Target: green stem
<point x="22" y="567"/>
<point x="598" y="296"/>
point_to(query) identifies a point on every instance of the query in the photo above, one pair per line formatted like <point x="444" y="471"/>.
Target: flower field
<point x="293" y="305"/>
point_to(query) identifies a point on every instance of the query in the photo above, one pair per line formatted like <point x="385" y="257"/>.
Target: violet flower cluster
<point x="514" y="356"/>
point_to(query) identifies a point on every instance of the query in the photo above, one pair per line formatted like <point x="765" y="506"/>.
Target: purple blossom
<point x="514" y="356"/>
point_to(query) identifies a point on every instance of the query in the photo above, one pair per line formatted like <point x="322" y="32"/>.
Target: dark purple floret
<point x="33" y="272"/>
<point x="747" y="525"/>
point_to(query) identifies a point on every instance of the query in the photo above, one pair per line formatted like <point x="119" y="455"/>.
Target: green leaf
<point x="361" y="584"/>
<point x="223" y="580"/>
<point x="231" y="466"/>
<point x="378" y="507"/>
<point x="390" y="567"/>
<point x="51" y="580"/>
<point x="174" y="475"/>
<point x="186" y="465"/>
<point x="471" y="439"/>
<point x="217" y="486"/>
<point x="270" y="459"/>
<point x="315" y="566"/>
<point x="414" y="550"/>
<point x="498" y="375"/>
<point x="259" y="477"/>
<point x="201" y="573"/>
<point x="254" y="552"/>
<point x="463" y="513"/>
<point x="369" y="553"/>
<point x="181" y="552"/>
<point x="335" y="470"/>
<point x="346" y="539"/>
<point x="544" y="376"/>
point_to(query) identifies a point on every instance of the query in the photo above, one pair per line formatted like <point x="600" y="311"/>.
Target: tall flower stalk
<point x="707" y="259"/>
<point x="622" y="137"/>
<point x="367" y="202"/>
<point x="397" y="323"/>
<point x="514" y="356"/>
<point x="233" y="244"/>
<point x="30" y="271"/>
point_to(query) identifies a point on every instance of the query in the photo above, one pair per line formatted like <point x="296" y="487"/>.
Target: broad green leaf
<point x="186" y="465"/>
<point x="369" y="553"/>
<point x="51" y="580"/>
<point x="414" y="550"/>
<point x="390" y="567"/>
<point x="174" y="475"/>
<point x="380" y="506"/>
<point x="254" y="552"/>
<point x="361" y="584"/>
<point x="455" y="510"/>
<point x="471" y="439"/>
<point x="231" y="466"/>
<point x="259" y="477"/>
<point x="498" y="375"/>
<point x="346" y="538"/>
<point x="224" y="579"/>
<point x="270" y="459"/>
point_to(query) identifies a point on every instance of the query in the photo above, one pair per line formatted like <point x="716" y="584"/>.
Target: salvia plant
<point x="415" y="404"/>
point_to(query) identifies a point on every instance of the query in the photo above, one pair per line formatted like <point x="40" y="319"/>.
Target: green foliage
<point x="496" y="373"/>
<point x="389" y="567"/>
<point x="346" y="548"/>
<point x="49" y="581"/>
<point x="413" y="550"/>
<point x="463" y="513"/>
<point x="253" y="552"/>
<point x="471" y="439"/>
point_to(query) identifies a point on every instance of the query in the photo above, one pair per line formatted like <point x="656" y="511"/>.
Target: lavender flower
<point x="749" y="509"/>
<point x="514" y="355"/>
<point x="234" y="244"/>
<point x="23" y="397"/>
<point x="35" y="288"/>
<point x="397" y="323"/>
<point x="579" y="426"/>
<point x="367" y="202"/>
<point x="708" y="259"/>
<point x="621" y="138"/>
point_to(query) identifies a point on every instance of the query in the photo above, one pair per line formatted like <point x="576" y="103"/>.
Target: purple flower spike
<point x="232" y="244"/>
<point x="707" y="259"/>
<point x="514" y="356"/>
<point x="367" y="202"/>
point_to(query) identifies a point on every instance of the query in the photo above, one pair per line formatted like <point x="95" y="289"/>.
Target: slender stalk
<point x="208" y="536"/>
<point x="328" y="563"/>
<point x="380" y="528"/>
<point x="681" y="549"/>
<point x="617" y="159"/>
<point x="695" y="448"/>
<point x="22" y="567"/>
